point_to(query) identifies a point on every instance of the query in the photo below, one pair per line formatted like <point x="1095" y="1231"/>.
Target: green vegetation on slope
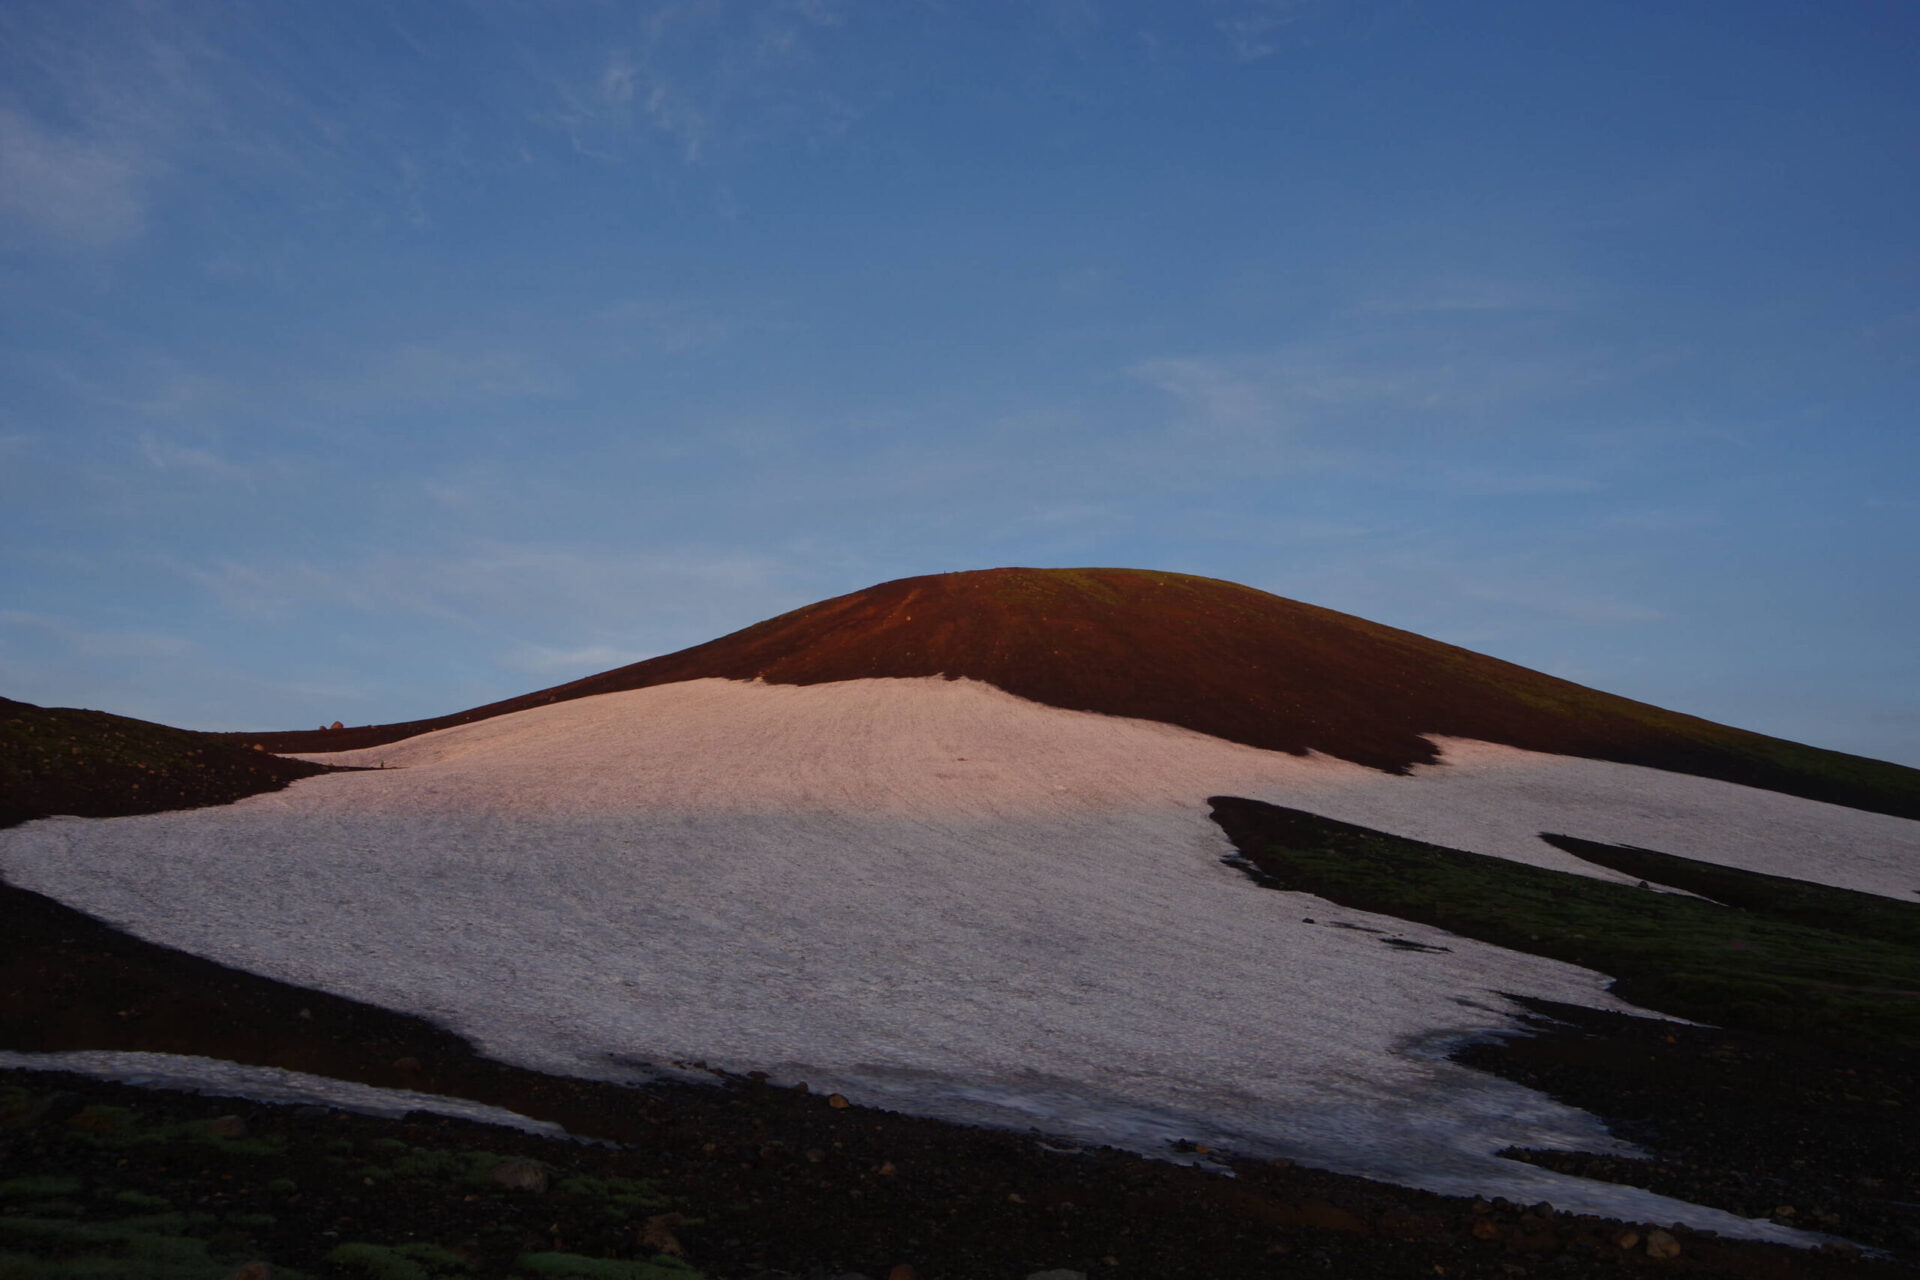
<point x="1854" y="974"/>
<point x="1858" y="915"/>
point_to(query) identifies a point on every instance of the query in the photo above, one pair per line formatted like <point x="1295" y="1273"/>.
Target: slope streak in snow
<point x="1215" y="657"/>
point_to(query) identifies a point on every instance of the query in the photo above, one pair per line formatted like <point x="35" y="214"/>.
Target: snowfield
<point x="934" y="896"/>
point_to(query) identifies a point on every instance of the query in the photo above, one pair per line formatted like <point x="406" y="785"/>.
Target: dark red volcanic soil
<point x="1212" y="656"/>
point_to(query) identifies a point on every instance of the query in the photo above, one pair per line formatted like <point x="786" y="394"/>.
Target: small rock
<point x="656" y="1233"/>
<point x="903" y="1272"/>
<point x="837" y="1102"/>
<point x="520" y="1175"/>
<point x="1783" y="1211"/>
<point x="887" y="1170"/>
<point x="1627" y="1239"/>
<point x="336" y="725"/>
<point x="1662" y="1245"/>
<point x="1486" y="1229"/>
<point x="226" y="1127"/>
<point x="815" y="1155"/>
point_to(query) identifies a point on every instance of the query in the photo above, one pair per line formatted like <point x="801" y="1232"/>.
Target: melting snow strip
<point x="221" y="1079"/>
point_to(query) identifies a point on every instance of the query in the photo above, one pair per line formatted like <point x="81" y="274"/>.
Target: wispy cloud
<point x="549" y="662"/>
<point x="447" y="371"/>
<point x="89" y="126"/>
<point x="168" y="455"/>
<point x="1225" y="391"/>
<point x="85" y="192"/>
<point x="710" y="79"/>
<point x="1408" y="377"/>
<point x="1253" y="30"/>
<point x="1455" y="294"/>
<point x="91" y="641"/>
<point x="518" y="592"/>
<point x="672" y="328"/>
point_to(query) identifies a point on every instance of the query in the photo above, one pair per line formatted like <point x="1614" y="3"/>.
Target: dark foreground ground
<point x="773" y="1181"/>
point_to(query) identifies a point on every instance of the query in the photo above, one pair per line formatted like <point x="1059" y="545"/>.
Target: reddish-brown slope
<point x="1213" y="656"/>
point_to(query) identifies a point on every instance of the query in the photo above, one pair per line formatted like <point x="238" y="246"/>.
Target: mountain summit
<point x="1215" y="657"/>
<point x="1153" y="866"/>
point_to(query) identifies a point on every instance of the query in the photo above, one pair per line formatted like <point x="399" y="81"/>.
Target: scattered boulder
<point x="226" y="1127"/>
<point x="656" y="1233"/>
<point x="1662" y="1245"/>
<point x="520" y="1175"/>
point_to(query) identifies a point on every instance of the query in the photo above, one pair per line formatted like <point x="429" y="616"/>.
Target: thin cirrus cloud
<point x="83" y="192"/>
<point x="168" y="455"/>
<point x="494" y="586"/>
<point x="712" y="80"/>
<point x="547" y="661"/>
<point x="82" y="640"/>
<point x="91" y="127"/>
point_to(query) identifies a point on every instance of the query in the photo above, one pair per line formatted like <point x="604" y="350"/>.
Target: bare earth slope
<point x="97" y="765"/>
<point x="1215" y="657"/>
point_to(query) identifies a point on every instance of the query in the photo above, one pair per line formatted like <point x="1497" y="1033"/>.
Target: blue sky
<point x="365" y="361"/>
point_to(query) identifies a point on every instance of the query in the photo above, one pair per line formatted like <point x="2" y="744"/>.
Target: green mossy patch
<point x="314" y="1194"/>
<point x="574" y="1265"/>
<point x="31" y="1188"/>
<point x="159" y="1247"/>
<point x="413" y="1261"/>
<point x="1761" y="967"/>
<point x="1818" y="906"/>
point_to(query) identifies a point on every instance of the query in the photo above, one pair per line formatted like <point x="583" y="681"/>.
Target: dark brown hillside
<point x="96" y="765"/>
<point x="1218" y="658"/>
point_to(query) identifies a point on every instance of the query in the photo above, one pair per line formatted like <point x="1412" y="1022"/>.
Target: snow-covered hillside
<point x="932" y="895"/>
